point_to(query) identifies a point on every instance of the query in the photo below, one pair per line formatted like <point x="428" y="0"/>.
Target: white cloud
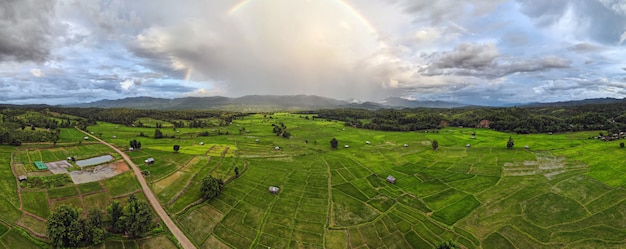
<point x="127" y="84"/>
<point x="37" y="73"/>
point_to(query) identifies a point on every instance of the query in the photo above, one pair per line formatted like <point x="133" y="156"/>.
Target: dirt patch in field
<point x="98" y="173"/>
<point x="58" y="167"/>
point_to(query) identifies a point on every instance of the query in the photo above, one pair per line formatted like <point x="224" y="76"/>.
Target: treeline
<point x="126" y="116"/>
<point x="523" y="120"/>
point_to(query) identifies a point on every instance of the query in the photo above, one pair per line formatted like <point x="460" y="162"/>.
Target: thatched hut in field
<point x="273" y="190"/>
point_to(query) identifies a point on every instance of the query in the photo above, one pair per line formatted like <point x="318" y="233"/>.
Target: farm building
<point x="40" y="165"/>
<point x="201" y="143"/>
<point x="149" y="161"/>
<point x="346" y="146"/>
<point x="526" y="147"/>
<point x="277" y="148"/>
<point x="468" y="145"/>
<point x="273" y="190"/>
<point x="22" y="178"/>
<point x="86" y="138"/>
<point x="391" y="179"/>
<point x="367" y="142"/>
<point x="406" y="145"/>
<point x="131" y="149"/>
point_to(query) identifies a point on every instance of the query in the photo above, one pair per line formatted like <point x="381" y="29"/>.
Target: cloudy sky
<point x="488" y="52"/>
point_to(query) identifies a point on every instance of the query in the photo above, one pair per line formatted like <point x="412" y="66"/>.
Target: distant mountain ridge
<point x="595" y="101"/>
<point x="259" y="103"/>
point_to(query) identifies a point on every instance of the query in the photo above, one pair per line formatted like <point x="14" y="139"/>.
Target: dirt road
<point x="156" y="205"/>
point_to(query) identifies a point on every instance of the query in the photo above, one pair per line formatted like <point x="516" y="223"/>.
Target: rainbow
<point x="188" y="74"/>
<point x="341" y="3"/>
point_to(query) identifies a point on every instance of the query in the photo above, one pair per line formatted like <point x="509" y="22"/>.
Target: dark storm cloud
<point x="484" y="61"/>
<point x="25" y="29"/>
<point x="468" y="56"/>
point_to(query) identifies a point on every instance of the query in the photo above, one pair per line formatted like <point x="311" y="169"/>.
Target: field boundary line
<point x="173" y="172"/>
<point x="31" y="232"/>
<point x="187" y="185"/>
<point x="152" y="199"/>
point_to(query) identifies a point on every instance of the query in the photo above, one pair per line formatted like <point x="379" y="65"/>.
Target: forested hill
<point x="608" y="117"/>
<point x="259" y="103"/>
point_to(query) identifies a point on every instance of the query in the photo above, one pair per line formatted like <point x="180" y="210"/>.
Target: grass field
<point x="484" y="196"/>
<point x="565" y="191"/>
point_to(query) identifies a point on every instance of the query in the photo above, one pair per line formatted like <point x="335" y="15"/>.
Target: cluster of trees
<point x="66" y="228"/>
<point x="522" y="120"/>
<point x="135" y="144"/>
<point x="281" y="130"/>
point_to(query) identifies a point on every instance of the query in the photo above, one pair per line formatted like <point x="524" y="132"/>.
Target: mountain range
<point x="259" y="103"/>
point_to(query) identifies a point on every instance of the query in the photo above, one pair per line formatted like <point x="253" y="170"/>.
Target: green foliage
<point x="64" y="227"/>
<point x="510" y="143"/>
<point x="211" y="187"/>
<point x="115" y="212"/>
<point x="134" y="219"/>
<point x="51" y="181"/>
<point x="447" y="245"/>
<point x="92" y="226"/>
<point x="176" y="147"/>
<point x="138" y="217"/>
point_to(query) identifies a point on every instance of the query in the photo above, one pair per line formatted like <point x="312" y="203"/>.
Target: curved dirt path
<point x="154" y="202"/>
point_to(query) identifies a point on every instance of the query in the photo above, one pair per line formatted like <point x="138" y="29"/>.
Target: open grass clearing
<point x="36" y="202"/>
<point x="122" y="184"/>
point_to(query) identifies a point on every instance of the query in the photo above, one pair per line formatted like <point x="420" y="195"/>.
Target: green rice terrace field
<point x="562" y="191"/>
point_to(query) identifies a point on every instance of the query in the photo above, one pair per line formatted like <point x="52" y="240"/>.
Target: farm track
<point x="154" y="202"/>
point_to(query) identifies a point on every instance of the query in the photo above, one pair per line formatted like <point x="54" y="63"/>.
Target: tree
<point x="176" y="147"/>
<point x="435" y="144"/>
<point x="138" y="217"/>
<point x="448" y="245"/>
<point x="210" y="187"/>
<point x="237" y="169"/>
<point x="92" y="227"/>
<point x="621" y="145"/>
<point x="334" y="143"/>
<point x="64" y="227"/>
<point x="510" y="143"/>
<point x="135" y="144"/>
<point x="158" y="134"/>
<point x="115" y="211"/>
